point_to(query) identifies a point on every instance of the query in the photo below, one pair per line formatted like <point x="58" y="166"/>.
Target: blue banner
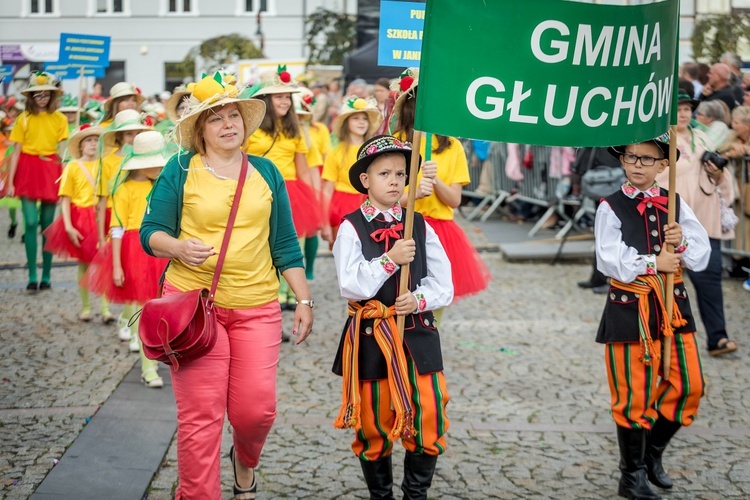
<point x="6" y="73"/>
<point x="84" y="50"/>
<point x="400" y="33"/>
<point x="70" y="72"/>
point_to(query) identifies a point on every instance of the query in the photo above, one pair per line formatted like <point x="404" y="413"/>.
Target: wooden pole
<point x="669" y="288"/>
<point x="79" y="100"/>
<point x="409" y="223"/>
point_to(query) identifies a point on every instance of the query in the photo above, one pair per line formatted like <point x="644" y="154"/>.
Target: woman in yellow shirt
<point x="441" y="194"/>
<point x="122" y="96"/>
<point x="356" y="122"/>
<point x="279" y="138"/>
<point x="35" y="167"/>
<point x="73" y="234"/>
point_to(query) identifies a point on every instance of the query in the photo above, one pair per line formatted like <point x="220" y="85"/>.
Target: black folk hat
<point x="372" y="149"/>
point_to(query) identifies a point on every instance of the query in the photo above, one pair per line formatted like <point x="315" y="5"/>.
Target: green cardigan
<point x="165" y="209"/>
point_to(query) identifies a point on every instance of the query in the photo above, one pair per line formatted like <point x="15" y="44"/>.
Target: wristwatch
<point x="310" y="303"/>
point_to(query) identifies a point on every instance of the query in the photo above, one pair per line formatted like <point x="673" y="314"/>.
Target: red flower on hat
<point x="137" y="90"/>
<point x="148" y="121"/>
<point x="307" y="99"/>
<point x="84" y="127"/>
<point x="285" y="77"/>
<point x="406" y="82"/>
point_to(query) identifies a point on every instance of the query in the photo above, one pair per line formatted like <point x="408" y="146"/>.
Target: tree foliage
<point x="215" y="53"/>
<point x="331" y="36"/>
<point x="714" y="35"/>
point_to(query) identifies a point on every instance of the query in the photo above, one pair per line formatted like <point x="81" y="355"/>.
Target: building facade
<point x="148" y="34"/>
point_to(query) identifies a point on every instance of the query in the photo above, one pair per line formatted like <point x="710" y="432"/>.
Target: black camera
<point x="715" y="158"/>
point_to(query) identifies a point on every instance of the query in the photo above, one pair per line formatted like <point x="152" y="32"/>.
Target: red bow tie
<point x="387" y="233"/>
<point x="660" y="202"/>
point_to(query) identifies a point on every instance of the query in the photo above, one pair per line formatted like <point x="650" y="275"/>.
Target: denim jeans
<point x="707" y="285"/>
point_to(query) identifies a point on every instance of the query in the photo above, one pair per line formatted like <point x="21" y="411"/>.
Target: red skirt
<point x="343" y="204"/>
<point x="142" y="272"/>
<point x="58" y="242"/>
<point x="37" y="177"/>
<point x="306" y="212"/>
<point x="470" y="273"/>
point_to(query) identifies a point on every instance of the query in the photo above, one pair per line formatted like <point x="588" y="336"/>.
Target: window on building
<point x="111" y="6"/>
<point x="43" y="7"/>
<point x="181" y="6"/>
<point x="255" y="6"/>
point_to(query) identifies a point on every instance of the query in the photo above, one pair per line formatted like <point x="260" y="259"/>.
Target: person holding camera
<point x="704" y="183"/>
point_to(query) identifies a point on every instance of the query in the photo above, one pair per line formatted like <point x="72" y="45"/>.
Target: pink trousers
<point x="238" y="378"/>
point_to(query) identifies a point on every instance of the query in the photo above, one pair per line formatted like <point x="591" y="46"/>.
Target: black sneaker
<point x="44" y="286"/>
<point x="12" y="231"/>
<point x="32" y="287"/>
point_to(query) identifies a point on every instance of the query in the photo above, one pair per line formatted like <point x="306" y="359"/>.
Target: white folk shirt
<point x="621" y="262"/>
<point x="360" y="279"/>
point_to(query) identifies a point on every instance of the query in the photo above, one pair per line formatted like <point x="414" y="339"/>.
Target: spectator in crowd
<point x="718" y="87"/>
<point x="358" y="88"/>
<point x="382" y="89"/>
<point x="735" y="66"/>
<point x="736" y="147"/>
<point x="689" y="71"/>
<point x="322" y="103"/>
<point x="713" y="116"/>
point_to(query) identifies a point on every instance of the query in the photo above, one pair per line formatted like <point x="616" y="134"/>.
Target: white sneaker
<point x="134" y="345"/>
<point x="124" y="333"/>
<point x="746" y="285"/>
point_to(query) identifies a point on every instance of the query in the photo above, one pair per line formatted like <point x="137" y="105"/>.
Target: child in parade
<point x="121" y="270"/>
<point x="279" y="138"/>
<point x="392" y="388"/>
<point x="441" y="193"/>
<point x="35" y="168"/>
<point x="12" y="204"/>
<point x="73" y="234"/>
<point x="356" y="122"/>
<point x="631" y="236"/>
<point x="122" y="96"/>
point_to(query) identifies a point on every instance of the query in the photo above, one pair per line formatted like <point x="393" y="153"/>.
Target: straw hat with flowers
<point x="214" y="92"/>
<point x="69" y="104"/>
<point x="273" y="82"/>
<point x="41" y="81"/>
<point x="85" y="130"/>
<point x="173" y="103"/>
<point x="354" y="105"/>
<point x="406" y="85"/>
<point x="125" y="120"/>
<point x="123" y="89"/>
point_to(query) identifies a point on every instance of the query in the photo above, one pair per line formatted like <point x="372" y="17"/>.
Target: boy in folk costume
<point x="392" y="388"/>
<point x="631" y="236"/>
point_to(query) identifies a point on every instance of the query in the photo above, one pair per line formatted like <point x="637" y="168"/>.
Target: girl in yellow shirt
<point x="440" y="182"/>
<point x="355" y="123"/>
<point x="73" y="234"/>
<point x="121" y="270"/>
<point x="35" y="167"/>
<point x="122" y="96"/>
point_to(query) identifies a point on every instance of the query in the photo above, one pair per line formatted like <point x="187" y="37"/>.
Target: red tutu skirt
<point x="343" y="204"/>
<point x="470" y="273"/>
<point x="142" y="272"/>
<point x="37" y="177"/>
<point x="58" y="242"/>
<point x="306" y="212"/>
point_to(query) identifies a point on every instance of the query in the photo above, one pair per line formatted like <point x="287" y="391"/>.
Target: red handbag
<point x="182" y="326"/>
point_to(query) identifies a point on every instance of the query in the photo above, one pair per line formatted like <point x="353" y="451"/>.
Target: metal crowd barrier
<point x="737" y="246"/>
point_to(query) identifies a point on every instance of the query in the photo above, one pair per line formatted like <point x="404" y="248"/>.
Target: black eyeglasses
<point x="646" y="161"/>
<point x="42" y="96"/>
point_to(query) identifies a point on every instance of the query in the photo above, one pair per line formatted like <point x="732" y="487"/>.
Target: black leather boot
<point x="633" y="481"/>
<point x="418" y="471"/>
<point x="379" y="478"/>
<point x="661" y="434"/>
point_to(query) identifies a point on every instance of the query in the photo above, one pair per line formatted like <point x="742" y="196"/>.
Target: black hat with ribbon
<point x="372" y="149"/>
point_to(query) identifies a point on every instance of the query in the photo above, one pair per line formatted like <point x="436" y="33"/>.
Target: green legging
<point x="311" y="250"/>
<point x="31" y="219"/>
<point x="84" y="294"/>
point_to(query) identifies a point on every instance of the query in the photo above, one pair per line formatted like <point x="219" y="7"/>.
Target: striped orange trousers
<point x="638" y="395"/>
<point x="429" y="399"/>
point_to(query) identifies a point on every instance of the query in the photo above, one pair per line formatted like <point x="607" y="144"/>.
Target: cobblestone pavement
<point x="528" y="408"/>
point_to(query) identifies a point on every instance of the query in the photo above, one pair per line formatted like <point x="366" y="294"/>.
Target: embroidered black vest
<point x="645" y="233"/>
<point x="421" y="338"/>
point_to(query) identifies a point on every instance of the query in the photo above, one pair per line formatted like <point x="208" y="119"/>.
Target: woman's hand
<point x="327" y="234"/>
<point x="426" y="186"/>
<point x="429" y="169"/>
<point x="714" y="172"/>
<point x="194" y="252"/>
<point x="303" y="322"/>
<point x="10" y="191"/>
<point x="118" y="276"/>
<point x="406" y="303"/>
<point x="75" y="236"/>
<point x="673" y="234"/>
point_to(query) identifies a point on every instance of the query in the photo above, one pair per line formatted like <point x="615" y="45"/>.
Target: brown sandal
<point x="724" y="346"/>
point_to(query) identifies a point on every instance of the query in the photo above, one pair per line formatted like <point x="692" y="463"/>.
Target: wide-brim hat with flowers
<point x="41" y="81"/>
<point x="125" y="120"/>
<point x="149" y="150"/>
<point x="213" y="92"/>
<point x="302" y="110"/>
<point x="174" y="102"/>
<point x="354" y="105"/>
<point x="69" y="104"/>
<point x="123" y="89"/>
<point x="662" y="142"/>
<point x="270" y="82"/>
<point x="85" y="130"/>
<point x="406" y="85"/>
<point x="372" y="149"/>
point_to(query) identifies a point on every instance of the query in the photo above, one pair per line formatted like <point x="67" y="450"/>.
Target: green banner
<point x="547" y="72"/>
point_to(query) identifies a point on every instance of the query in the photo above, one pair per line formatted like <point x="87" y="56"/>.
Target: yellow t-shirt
<point x="321" y="137"/>
<point x="110" y="166"/>
<point x="78" y="186"/>
<point x="452" y="168"/>
<point x="314" y="159"/>
<point x="336" y="167"/>
<point x="106" y="124"/>
<point x="248" y="278"/>
<point x="281" y="153"/>
<point x="39" y="134"/>
<point x="129" y="204"/>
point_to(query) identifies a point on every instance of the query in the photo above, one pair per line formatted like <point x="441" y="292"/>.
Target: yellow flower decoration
<point x="359" y="104"/>
<point x="231" y="90"/>
<point x="207" y="88"/>
<point x="41" y="79"/>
